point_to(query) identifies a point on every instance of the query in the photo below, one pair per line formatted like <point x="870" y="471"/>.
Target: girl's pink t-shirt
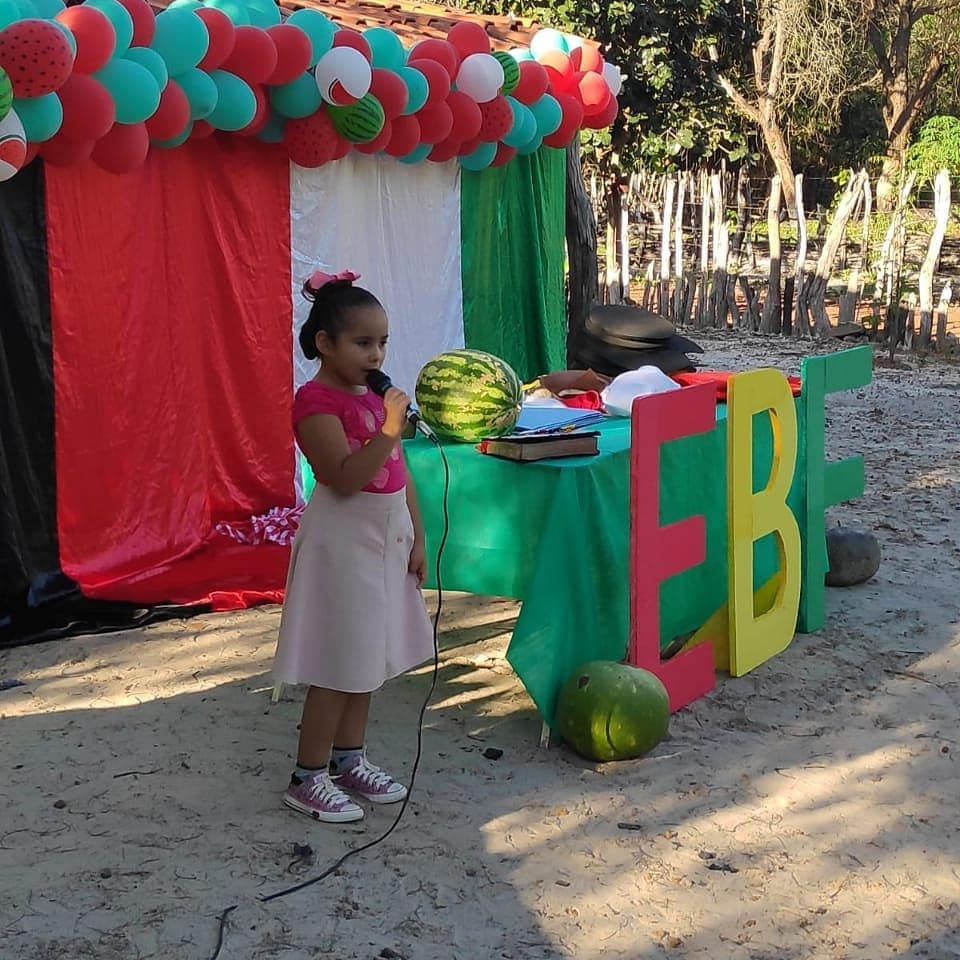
<point x="362" y="416"/>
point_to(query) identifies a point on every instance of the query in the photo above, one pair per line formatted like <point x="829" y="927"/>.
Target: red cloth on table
<point x="720" y="378"/>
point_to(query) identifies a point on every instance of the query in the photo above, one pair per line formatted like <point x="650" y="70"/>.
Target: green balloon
<point x="122" y="23"/>
<point x="9" y="13"/>
<point x="417" y="154"/>
<point x="6" y="94"/>
<point x="296" y="99"/>
<point x="27" y="10"/>
<point x="181" y="39"/>
<point x="236" y="103"/>
<point x="417" y="89"/>
<point x="152" y="61"/>
<point x="532" y="147"/>
<point x="386" y="47"/>
<point x="41" y="116"/>
<point x="318" y="28"/>
<point x="48" y="9"/>
<point x="176" y="141"/>
<point x="201" y="92"/>
<point x="481" y="158"/>
<point x="548" y="114"/>
<point x="273" y="129"/>
<point x="236" y="10"/>
<point x="511" y="71"/>
<point x="524" y="127"/>
<point x="188" y="4"/>
<point x="133" y="88"/>
<point x="263" y="13"/>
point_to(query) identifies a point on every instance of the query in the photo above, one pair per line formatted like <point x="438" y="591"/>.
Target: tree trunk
<point x="771" y="305"/>
<point x="581" y="234"/>
<point x="941" y="192"/>
<point x="891" y="172"/>
<point x="780" y="155"/>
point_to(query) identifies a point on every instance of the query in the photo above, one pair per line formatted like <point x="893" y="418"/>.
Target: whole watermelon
<point x="612" y="711"/>
<point x="468" y="395"/>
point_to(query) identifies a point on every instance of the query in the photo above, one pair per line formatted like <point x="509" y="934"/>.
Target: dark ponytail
<point x="332" y="302"/>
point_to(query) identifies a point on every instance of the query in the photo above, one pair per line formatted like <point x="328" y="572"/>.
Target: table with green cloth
<point x="554" y="534"/>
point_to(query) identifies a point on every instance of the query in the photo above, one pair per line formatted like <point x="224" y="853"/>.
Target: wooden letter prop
<point x="826" y="483"/>
<point x="656" y="552"/>
<point x="755" y="639"/>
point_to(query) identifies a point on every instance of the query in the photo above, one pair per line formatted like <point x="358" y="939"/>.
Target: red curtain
<point x="170" y="297"/>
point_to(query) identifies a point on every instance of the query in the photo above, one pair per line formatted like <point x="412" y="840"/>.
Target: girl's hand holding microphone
<point x="395" y="403"/>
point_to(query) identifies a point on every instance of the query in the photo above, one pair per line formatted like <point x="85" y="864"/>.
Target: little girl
<point x="353" y="615"/>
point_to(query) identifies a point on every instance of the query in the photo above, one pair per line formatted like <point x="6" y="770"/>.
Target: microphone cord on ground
<point x="423" y="709"/>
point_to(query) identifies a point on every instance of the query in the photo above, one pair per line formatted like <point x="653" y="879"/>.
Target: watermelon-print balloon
<point x="343" y="76"/>
<point x="13" y="145"/>
<point x="359" y="122"/>
<point x="36" y="56"/>
<point x="6" y="93"/>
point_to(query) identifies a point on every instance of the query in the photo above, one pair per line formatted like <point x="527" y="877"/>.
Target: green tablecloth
<point x="555" y="533"/>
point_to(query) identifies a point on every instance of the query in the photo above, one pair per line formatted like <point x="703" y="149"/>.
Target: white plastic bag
<point x="619" y="396"/>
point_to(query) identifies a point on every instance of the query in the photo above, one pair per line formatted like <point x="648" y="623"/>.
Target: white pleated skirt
<point x="353" y="616"/>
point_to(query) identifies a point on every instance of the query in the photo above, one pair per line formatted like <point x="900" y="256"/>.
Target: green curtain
<point x="512" y="251"/>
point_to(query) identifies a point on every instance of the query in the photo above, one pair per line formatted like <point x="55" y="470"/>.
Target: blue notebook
<point x="548" y="419"/>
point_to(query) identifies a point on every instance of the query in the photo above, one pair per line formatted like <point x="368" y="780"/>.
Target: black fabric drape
<point x="29" y="552"/>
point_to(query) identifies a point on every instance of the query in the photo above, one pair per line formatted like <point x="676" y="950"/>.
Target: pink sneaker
<point x="370" y="782"/>
<point x="319" y="797"/>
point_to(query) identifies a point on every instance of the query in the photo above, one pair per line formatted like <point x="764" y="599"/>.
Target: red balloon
<point x="123" y="149"/>
<point x="587" y="58"/>
<point x="593" y="92"/>
<point x="605" y="117"/>
<point x="468" y="37"/>
<point x="294" y="51"/>
<point x="445" y="150"/>
<point x="88" y="108"/>
<point x="378" y="143"/>
<point x="345" y="37"/>
<point x="311" y="141"/>
<point x="446" y="54"/>
<point x="390" y="90"/>
<point x="254" y="55"/>
<point x="343" y="147"/>
<point x="436" y="122"/>
<point x="261" y="116"/>
<point x="36" y="56"/>
<point x="172" y="115"/>
<point x="569" y="125"/>
<point x="504" y="155"/>
<point x="559" y="70"/>
<point x="405" y="136"/>
<point x="33" y="151"/>
<point x="201" y="130"/>
<point x="438" y="80"/>
<point x="468" y="146"/>
<point x="94" y="34"/>
<point x="467" y="117"/>
<point x="497" y="119"/>
<point x="533" y="82"/>
<point x="144" y="21"/>
<point x="62" y="152"/>
<point x="222" y="37"/>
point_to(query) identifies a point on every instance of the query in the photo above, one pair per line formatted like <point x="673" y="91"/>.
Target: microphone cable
<point x="423" y="709"/>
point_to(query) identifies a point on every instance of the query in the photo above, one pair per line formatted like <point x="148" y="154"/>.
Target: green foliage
<point x="937" y="146"/>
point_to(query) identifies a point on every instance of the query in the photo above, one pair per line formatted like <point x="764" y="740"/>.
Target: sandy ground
<point x="807" y="810"/>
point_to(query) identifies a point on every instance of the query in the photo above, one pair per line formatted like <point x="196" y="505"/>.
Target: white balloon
<point x="573" y="43"/>
<point x="611" y="73"/>
<point x="480" y="77"/>
<point x="13" y="146"/>
<point x="343" y="76"/>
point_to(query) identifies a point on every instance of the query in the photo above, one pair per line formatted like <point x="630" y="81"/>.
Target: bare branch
<point x="927" y="82"/>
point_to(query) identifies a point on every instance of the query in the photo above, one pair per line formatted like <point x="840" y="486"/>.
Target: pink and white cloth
<point x="277" y="525"/>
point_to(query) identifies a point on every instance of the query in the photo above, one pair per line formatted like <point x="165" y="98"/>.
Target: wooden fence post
<point x="801" y="326"/>
<point x="941" y="206"/>
<point x="703" y="295"/>
<point x="770" y="322"/>
<point x="663" y="301"/>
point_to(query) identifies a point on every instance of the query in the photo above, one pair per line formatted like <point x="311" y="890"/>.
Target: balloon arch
<point x="109" y="79"/>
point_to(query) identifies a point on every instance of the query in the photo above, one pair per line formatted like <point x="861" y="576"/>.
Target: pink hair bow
<point x="318" y="278"/>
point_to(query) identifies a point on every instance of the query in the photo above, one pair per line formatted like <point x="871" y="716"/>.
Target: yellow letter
<point x="751" y="516"/>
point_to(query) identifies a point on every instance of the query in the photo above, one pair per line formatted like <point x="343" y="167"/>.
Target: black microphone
<point x="380" y="383"/>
